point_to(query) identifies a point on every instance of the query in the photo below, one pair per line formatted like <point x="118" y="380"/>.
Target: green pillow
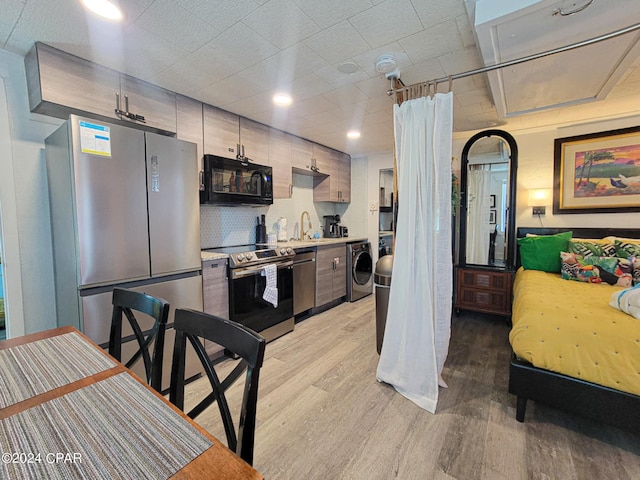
<point x="542" y="252"/>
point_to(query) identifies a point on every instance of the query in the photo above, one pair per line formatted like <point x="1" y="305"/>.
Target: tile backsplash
<point x="222" y="226"/>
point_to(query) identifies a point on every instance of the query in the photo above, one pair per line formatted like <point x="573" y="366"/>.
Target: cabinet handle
<point x="201" y="175"/>
<point x="290" y="190"/>
<point x="119" y="112"/>
<point x="126" y="113"/>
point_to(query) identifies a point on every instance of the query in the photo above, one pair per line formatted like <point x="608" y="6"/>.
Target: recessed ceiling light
<point x="282" y="99"/>
<point x="353" y="134"/>
<point x="104" y="8"/>
<point x="348" y="67"/>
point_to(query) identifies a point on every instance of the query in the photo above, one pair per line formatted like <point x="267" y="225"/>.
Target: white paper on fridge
<point x="95" y="139"/>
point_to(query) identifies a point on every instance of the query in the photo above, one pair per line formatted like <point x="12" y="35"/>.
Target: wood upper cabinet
<point x="189" y="123"/>
<point x="331" y="273"/>
<point x="301" y="155"/>
<point x="155" y="104"/>
<point x="221" y="132"/>
<point x="225" y="131"/>
<point x="344" y="177"/>
<point x="280" y="162"/>
<point x="60" y="84"/>
<point x="323" y="159"/>
<point x="254" y="141"/>
<point x="335" y="187"/>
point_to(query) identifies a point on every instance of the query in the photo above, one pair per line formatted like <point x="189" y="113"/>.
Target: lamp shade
<point x="539" y="197"/>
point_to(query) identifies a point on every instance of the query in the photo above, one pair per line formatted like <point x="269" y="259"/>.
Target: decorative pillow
<point x="610" y="270"/>
<point x="543" y="252"/>
<point x="626" y="248"/>
<point x="589" y="248"/>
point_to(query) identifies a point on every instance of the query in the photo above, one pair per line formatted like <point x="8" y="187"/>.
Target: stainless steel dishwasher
<point x="304" y="281"/>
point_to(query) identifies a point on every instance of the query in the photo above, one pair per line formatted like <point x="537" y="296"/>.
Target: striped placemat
<point x="43" y="365"/>
<point x="113" y="429"/>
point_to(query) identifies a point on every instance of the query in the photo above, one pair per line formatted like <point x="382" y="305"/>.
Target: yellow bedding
<point x="568" y="327"/>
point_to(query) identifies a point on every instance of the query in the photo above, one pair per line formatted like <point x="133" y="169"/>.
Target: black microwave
<point x="228" y="181"/>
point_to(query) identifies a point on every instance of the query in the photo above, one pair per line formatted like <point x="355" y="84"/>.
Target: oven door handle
<point x="248" y="271"/>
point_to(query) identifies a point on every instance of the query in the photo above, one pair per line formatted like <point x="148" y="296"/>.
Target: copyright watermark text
<point x="50" y="457"/>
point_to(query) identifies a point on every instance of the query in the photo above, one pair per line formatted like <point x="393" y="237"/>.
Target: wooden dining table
<point x="69" y="410"/>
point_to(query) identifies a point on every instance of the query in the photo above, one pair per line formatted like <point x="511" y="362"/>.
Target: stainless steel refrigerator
<point x="124" y="212"/>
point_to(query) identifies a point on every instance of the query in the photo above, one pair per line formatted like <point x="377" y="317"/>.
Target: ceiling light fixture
<point x="387" y="64"/>
<point x="282" y="99"/>
<point x="353" y="134"/>
<point x="348" y="67"/>
<point x="104" y="8"/>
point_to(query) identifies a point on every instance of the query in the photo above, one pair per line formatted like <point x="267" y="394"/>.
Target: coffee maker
<point x="331" y="226"/>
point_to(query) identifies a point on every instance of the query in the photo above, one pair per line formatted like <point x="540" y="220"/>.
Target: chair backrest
<point x="237" y="339"/>
<point x="126" y="302"/>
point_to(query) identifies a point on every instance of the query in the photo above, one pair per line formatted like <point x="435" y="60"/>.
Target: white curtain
<point x="418" y="325"/>
<point x="478" y="214"/>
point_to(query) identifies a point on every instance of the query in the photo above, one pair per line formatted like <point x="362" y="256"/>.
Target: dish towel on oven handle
<point x="271" y="290"/>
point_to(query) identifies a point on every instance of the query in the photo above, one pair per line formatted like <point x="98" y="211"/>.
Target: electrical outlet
<point x="373" y="206"/>
<point x="539" y="210"/>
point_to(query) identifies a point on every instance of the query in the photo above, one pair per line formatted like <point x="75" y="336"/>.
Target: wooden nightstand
<point x="485" y="290"/>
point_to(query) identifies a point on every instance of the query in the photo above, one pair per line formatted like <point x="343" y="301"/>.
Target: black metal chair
<point x="126" y="302"/>
<point x="237" y="339"/>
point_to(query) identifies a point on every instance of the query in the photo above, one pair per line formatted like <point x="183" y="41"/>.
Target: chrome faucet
<point x="305" y="227"/>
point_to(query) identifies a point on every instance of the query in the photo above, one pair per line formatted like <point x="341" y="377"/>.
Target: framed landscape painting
<point x="597" y="173"/>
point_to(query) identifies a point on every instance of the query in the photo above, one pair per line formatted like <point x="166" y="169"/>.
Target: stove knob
<point x="240" y="257"/>
<point x="289" y="250"/>
<point x="283" y="251"/>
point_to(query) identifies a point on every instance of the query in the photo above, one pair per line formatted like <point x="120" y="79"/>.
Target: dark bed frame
<point x="590" y="400"/>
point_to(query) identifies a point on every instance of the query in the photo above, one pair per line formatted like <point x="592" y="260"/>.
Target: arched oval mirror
<point x="488" y="193"/>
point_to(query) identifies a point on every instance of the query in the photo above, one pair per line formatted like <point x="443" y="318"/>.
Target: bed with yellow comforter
<point x="571" y="350"/>
<point x="568" y="327"/>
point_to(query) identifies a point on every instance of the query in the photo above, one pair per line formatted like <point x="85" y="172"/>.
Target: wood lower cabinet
<point x="484" y="290"/>
<point x="331" y="273"/>
<point x="215" y="295"/>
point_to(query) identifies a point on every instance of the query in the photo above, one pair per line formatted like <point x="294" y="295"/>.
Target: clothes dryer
<point x="359" y="270"/>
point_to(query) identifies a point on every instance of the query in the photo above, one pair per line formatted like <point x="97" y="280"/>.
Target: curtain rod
<point x="517" y="61"/>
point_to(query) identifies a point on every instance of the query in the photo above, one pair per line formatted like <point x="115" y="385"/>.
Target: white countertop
<point x="207" y="256"/>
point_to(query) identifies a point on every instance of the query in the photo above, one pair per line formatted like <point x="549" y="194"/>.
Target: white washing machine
<point x="359" y="270"/>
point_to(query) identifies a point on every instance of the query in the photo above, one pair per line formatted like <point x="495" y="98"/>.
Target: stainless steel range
<point x="248" y="303"/>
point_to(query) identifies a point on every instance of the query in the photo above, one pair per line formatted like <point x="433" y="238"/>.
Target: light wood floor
<point x="323" y="415"/>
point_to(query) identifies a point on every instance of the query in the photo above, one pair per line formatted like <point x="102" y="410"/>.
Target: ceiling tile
<point x="337" y="79"/>
<point x="337" y="43"/>
<point x="349" y="94"/>
<point x="309" y="86"/>
<point x="434" y="12"/>
<point x="170" y="21"/>
<point x="221" y="14"/>
<point x="433" y="42"/>
<point x="281" y="22"/>
<point x="242" y="46"/>
<point x="329" y="12"/>
<point x="10" y="15"/>
<point x="387" y="22"/>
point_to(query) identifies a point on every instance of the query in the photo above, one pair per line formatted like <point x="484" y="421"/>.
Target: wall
<point x="224" y="226"/>
<point x="535" y="170"/>
<point x="370" y="166"/>
<point x="25" y="205"/>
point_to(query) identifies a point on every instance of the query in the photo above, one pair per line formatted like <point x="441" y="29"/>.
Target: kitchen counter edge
<point x="209" y="256"/>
